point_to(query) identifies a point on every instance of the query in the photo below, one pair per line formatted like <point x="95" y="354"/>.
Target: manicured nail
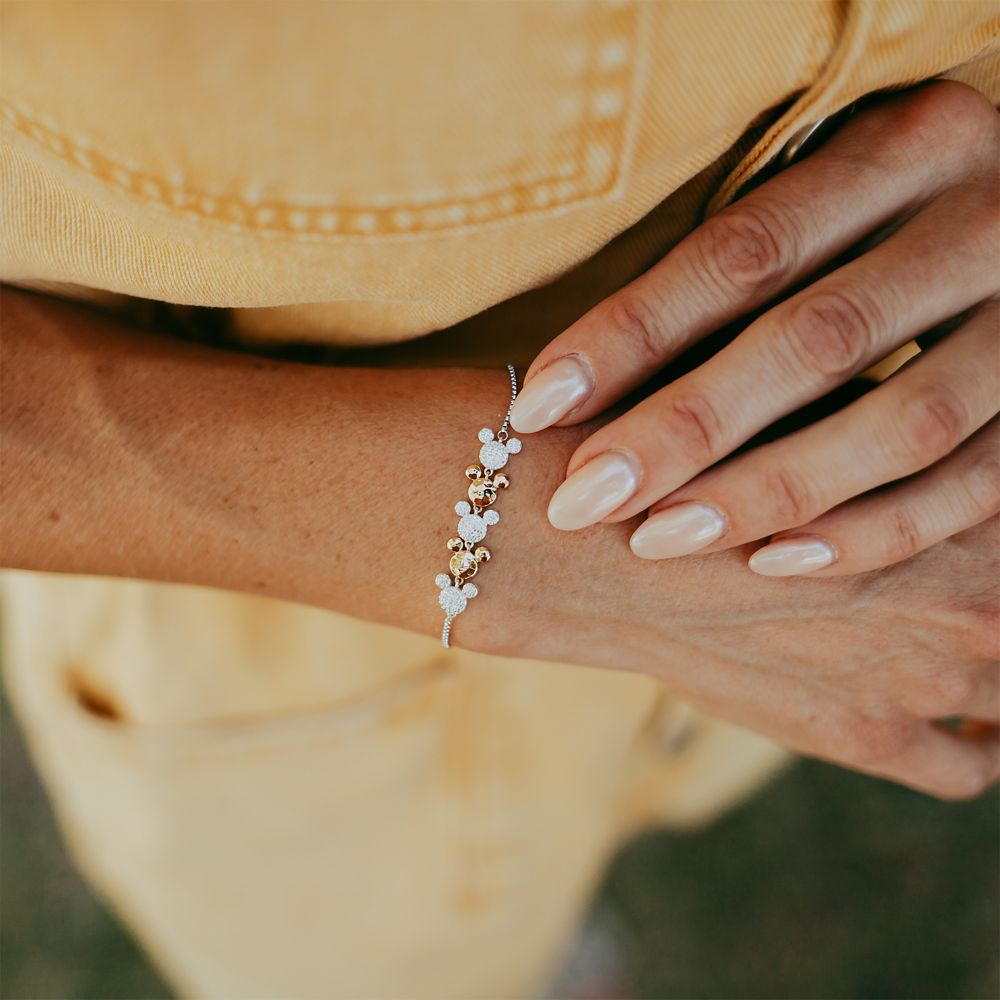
<point x="551" y="394"/>
<point x="594" y="491"/>
<point x="792" y="556"/>
<point x="677" y="531"/>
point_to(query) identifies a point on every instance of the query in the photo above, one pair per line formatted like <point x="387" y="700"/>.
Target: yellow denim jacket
<point x="285" y="802"/>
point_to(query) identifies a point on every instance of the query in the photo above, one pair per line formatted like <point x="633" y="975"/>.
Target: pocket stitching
<point x="603" y="140"/>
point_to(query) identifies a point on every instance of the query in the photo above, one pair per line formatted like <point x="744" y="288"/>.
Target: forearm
<point x="130" y="455"/>
<point x="126" y="454"/>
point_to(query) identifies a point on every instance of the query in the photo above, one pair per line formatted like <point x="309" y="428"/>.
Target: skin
<point x="130" y="455"/>
<point x="887" y="231"/>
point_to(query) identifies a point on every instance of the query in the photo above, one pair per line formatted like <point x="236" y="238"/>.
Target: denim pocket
<point x="348" y="120"/>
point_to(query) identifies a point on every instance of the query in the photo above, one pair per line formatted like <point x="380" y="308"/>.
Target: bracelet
<point x="475" y="517"/>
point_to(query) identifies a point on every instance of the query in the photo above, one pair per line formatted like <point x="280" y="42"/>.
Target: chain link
<point x="512" y="372"/>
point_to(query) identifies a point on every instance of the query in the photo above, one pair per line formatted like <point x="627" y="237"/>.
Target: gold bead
<point x="482" y="554"/>
<point x="455" y="544"/>
<point x="501" y="480"/>
<point x="482" y="492"/>
<point x="473" y="472"/>
<point x="463" y="564"/>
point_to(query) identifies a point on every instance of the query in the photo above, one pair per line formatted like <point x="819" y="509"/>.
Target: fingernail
<point x="792" y="556"/>
<point x="677" y="531"/>
<point x="551" y="394"/>
<point x="593" y="492"/>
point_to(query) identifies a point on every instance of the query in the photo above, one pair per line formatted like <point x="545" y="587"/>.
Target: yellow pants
<point x="323" y="808"/>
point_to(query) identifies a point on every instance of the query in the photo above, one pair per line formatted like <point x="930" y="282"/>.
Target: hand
<point x="132" y="455"/>
<point x="921" y="167"/>
<point x="857" y="670"/>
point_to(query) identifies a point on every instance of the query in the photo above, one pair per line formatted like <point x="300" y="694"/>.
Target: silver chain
<point x="512" y="372"/>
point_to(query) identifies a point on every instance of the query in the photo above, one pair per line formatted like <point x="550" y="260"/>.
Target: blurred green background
<point x="827" y="885"/>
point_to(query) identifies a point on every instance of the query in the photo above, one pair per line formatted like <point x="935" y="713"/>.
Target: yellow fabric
<point x="285" y="802"/>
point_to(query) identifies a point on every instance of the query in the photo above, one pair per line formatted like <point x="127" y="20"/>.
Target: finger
<point x="942" y="763"/>
<point x="793" y="354"/>
<point x="885" y="162"/>
<point x="879" y="529"/>
<point x="908" y="423"/>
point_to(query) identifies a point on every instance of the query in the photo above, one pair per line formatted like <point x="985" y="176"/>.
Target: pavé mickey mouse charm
<point x="493" y="454"/>
<point x="454" y="596"/>
<point x="472" y="525"/>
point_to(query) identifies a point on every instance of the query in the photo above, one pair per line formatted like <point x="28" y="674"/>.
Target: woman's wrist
<point x="132" y="455"/>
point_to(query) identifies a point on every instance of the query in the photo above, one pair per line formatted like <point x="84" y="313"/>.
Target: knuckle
<point x="954" y="97"/>
<point x="966" y="112"/>
<point x="695" y="422"/>
<point x="882" y="741"/>
<point x="943" y="109"/>
<point x="902" y="535"/>
<point x="877" y="742"/>
<point x="747" y="248"/>
<point x="978" y="626"/>
<point x="789" y="498"/>
<point x="836" y="730"/>
<point x="943" y="692"/>
<point x="637" y="320"/>
<point x="831" y="334"/>
<point x="933" y="422"/>
<point x="981" y="482"/>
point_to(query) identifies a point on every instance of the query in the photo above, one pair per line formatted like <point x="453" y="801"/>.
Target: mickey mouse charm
<point x="475" y="518"/>
<point x="454" y="596"/>
<point x="493" y="454"/>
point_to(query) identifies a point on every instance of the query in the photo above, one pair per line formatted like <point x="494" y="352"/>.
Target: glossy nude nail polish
<point x="551" y="394"/>
<point x="792" y="557"/>
<point x="678" y="531"/>
<point x="594" y="491"/>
